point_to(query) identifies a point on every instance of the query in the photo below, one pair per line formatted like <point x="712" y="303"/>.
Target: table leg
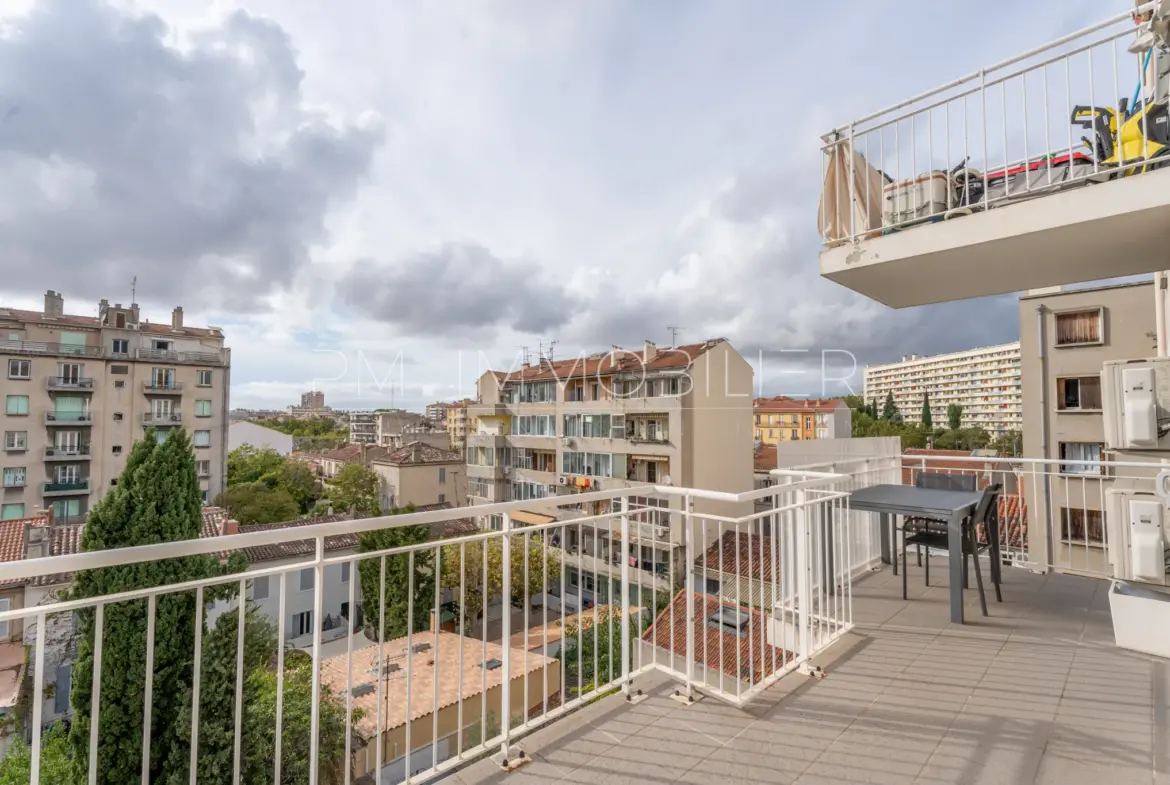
<point x="956" y="558"/>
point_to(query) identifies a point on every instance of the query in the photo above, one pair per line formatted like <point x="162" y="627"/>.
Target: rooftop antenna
<point x="551" y="344"/>
<point x="525" y="355"/>
<point x="674" y="331"/>
<point x="133" y="289"/>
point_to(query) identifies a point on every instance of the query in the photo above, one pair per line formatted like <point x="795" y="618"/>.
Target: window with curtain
<point x="16" y="404"/>
<point x="202" y="439"/>
<point x="1079" y="327"/>
<point x="1078" y="456"/>
<point x="1079" y="394"/>
<point x="202" y="408"/>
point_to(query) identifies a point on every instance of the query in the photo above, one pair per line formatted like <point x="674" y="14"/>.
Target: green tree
<point x="527" y="578"/>
<point x="592" y="653"/>
<point x="56" y="759"/>
<point x="962" y="439"/>
<point x="398" y="572"/>
<point x="487" y="728"/>
<point x="356" y="487"/>
<point x="954" y="416"/>
<point x="301" y="484"/>
<point x="927" y="420"/>
<point x="1010" y="443"/>
<point x="248" y="464"/>
<point x="889" y="409"/>
<point x="258" y="503"/>
<point x="157" y="499"/>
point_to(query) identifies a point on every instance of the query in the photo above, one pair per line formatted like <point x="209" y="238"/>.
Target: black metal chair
<point x="934" y="534"/>
<point x="942" y="482"/>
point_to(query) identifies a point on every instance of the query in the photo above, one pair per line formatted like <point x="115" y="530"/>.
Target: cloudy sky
<point x="387" y="195"/>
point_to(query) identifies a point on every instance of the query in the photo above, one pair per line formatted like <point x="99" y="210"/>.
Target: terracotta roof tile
<point x="622" y="360"/>
<point x="426" y="453"/>
<point x="765" y="458"/>
<point x="751" y="559"/>
<point x="92" y="321"/>
<point x="749" y="657"/>
<point x="12" y="543"/>
<point x="782" y="403"/>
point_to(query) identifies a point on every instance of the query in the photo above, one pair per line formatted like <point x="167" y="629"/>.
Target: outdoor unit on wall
<point x="1136" y="404"/>
<point x="1138" y="535"/>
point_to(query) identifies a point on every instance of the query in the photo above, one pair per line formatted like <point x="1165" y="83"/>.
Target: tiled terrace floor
<point x="1037" y="693"/>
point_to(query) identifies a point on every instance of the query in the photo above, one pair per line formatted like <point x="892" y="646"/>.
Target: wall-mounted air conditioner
<point x="562" y="480"/>
<point x="1135" y="402"/>
<point x="1137" y="532"/>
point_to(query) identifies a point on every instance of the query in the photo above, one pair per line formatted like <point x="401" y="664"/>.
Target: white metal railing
<point x="1001" y="134"/>
<point x="460" y="652"/>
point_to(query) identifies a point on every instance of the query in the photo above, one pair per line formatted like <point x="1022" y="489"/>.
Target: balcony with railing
<point x="70" y="487"/>
<point x="76" y="452"/>
<point x="69" y="384"/>
<point x="162" y="419"/>
<point x="66" y="419"/>
<point x="1026" y="173"/>
<point x="49" y="348"/>
<point x="162" y="387"/>
<point x="790" y="656"/>
<point x="171" y="356"/>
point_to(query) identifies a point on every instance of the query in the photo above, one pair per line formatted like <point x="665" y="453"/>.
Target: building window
<point x="203" y="408"/>
<point x="19" y="369"/>
<point x="16" y="440"/>
<point x="442" y="498"/>
<point x="345" y="572"/>
<point x="11" y="512"/>
<point x="16" y="405"/>
<point x="302" y="623"/>
<point x="202" y="378"/>
<point x="1082" y="457"/>
<point x="442" y="474"/>
<point x="1080" y="328"/>
<point x="758" y="437"/>
<point x="117" y="416"/>
<point x="203" y="468"/>
<point x="1080" y="394"/>
<point x="260" y="588"/>
<point x="1078" y="525"/>
<point x="306" y="579"/>
<point x="14" y="477"/>
<point x="118" y="385"/>
<point x="796" y="435"/>
<point x="116" y="449"/>
<point x="120" y="346"/>
<point x="120" y="370"/>
<point x="757" y="419"/>
<point x="64" y="685"/>
<point x="202" y="439"/>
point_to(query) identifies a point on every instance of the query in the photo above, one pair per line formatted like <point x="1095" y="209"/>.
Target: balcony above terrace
<point x="984" y="185"/>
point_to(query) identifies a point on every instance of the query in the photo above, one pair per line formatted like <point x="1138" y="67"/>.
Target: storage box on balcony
<point x="926" y="196"/>
<point x="1141" y="618"/>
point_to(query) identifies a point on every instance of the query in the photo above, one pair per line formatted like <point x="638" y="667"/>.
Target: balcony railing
<point x="1009" y="132"/>
<point x="64" y="488"/>
<point x="156" y="418"/>
<point x="42" y="347"/>
<point x="69" y="383"/>
<point x="162" y="388"/>
<point x="76" y="453"/>
<point x="68" y="418"/>
<point x="414" y="679"/>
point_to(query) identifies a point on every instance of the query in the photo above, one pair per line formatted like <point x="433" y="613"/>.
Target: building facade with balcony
<point x="783" y="419"/>
<point x="986" y="382"/>
<point x="80" y="390"/>
<point x="363" y="427"/>
<point x="621" y="419"/>
<point x="459" y="422"/>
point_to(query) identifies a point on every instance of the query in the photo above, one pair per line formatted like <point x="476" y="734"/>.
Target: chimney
<point x="54" y="304"/>
<point x="415" y="452"/>
<point x="229" y="526"/>
<point x="36" y="541"/>
<point x="649" y="351"/>
<point x="134" y="310"/>
<point x="177" y="318"/>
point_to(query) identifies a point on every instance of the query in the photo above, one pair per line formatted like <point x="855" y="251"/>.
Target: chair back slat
<point x="945" y="482"/>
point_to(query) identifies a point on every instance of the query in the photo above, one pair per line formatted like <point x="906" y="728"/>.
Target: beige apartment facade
<point x="79" y="391"/>
<point x="1066" y="338"/>
<point x="421" y="474"/>
<point x="678" y="416"/>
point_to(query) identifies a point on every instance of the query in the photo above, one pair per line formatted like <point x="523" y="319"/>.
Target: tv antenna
<point x="525" y="355"/>
<point x="133" y="288"/>
<point x="674" y="331"/>
<point x="551" y="344"/>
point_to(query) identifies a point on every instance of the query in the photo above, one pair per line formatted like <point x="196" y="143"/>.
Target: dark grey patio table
<point x="906" y="500"/>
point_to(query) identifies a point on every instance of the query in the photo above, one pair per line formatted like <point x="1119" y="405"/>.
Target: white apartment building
<point x="985" y="382"/>
<point x="80" y="390"/>
<point x="363" y="427"/>
<point x="677" y="416"/>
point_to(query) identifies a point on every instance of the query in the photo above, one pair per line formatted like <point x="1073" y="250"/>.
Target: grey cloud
<point x="199" y="171"/>
<point x="459" y="289"/>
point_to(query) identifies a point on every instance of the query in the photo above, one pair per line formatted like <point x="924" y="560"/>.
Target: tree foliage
<point x="962" y="439"/>
<point x="527" y="577"/>
<point x="486" y="728"/>
<point x="1010" y="443"/>
<point x="890" y="409"/>
<point x="356" y="487"/>
<point x="927" y="420"/>
<point x="592" y="652"/>
<point x="157" y="499"/>
<point x="308" y="427"/>
<point x="398" y="578"/>
<point x="954" y="416"/>
<point x="257" y="503"/>
<point x="56" y="759"/>
<point x="260" y="468"/>
<point x="248" y="464"/>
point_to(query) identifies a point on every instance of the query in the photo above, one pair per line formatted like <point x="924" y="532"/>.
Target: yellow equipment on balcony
<point x="1143" y="138"/>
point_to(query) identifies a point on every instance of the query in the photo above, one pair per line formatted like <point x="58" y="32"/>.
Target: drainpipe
<point x="1043" y="387"/>
<point x="1160" y="280"/>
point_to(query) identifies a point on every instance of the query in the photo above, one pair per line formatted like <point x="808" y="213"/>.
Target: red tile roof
<point x="426" y="453"/>
<point x="744" y="560"/>
<point x="915" y="459"/>
<point x="352" y="453"/>
<point x="765" y="458"/>
<point x="92" y="321"/>
<point x="12" y="542"/>
<point x="609" y="363"/>
<point x="750" y="655"/>
<point x="782" y="403"/>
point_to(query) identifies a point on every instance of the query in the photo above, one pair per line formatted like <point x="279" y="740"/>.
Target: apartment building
<point x="421" y="474"/>
<point x="620" y="419"/>
<point x="783" y="419"/>
<point x="313" y="399"/>
<point x="363" y="427"/>
<point x="437" y="411"/>
<point x="80" y="390"/>
<point x="985" y="382"/>
<point x="398" y="427"/>
<point x="458" y="423"/>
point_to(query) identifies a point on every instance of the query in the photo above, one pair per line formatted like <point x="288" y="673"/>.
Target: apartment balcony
<point x="475" y="471"/>
<point x="68" y="419"/>
<point x="495" y="441"/>
<point x="487" y="410"/>
<point x="187" y="358"/>
<point x="78" y="453"/>
<point x="53" y="349"/>
<point x="162" y="420"/>
<point x="162" y="388"/>
<point x="1007" y="198"/>
<point x="72" y="384"/>
<point x="72" y="488"/>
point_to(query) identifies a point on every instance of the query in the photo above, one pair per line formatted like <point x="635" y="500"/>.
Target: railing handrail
<point x="982" y="73"/>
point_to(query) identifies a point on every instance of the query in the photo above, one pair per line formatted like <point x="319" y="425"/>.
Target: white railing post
<point x="688" y="566"/>
<point x="506" y="633"/>
<point x="318" y="620"/>
<point x="625" y="582"/>
<point x="803" y="573"/>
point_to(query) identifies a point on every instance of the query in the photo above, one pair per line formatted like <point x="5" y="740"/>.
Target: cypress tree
<point x="889" y="409"/>
<point x="157" y="499"/>
<point x="927" y="421"/>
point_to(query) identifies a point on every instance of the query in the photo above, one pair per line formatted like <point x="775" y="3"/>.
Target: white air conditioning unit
<point x="562" y="480"/>
<point x="1138" y="533"/>
<point x="507" y="471"/>
<point x="1135" y="400"/>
